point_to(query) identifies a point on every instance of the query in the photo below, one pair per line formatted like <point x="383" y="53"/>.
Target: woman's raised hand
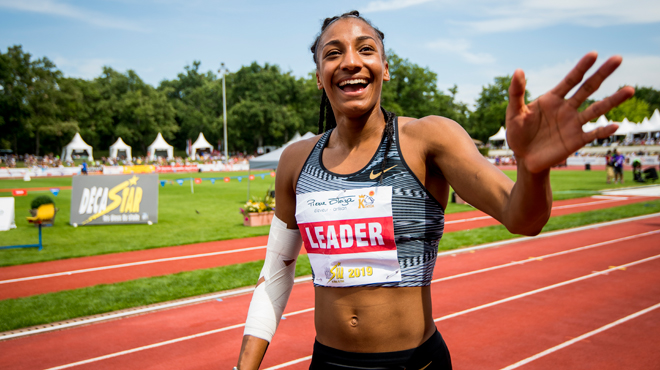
<point x="549" y="129"/>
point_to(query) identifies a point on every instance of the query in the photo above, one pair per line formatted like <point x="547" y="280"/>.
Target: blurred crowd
<point x="53" y="161"/>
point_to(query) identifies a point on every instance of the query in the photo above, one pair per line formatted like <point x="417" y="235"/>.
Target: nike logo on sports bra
<point x="373" y="175"/>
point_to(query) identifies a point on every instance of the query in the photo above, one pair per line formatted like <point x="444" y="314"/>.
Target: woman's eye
<point x="367" y="48"/>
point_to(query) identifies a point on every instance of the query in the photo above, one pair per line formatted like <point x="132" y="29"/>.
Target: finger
<point x="593" y="83"/>
<point x="517" y="91"/>
<point x="576" y="75"/>
<point x="599" y="108"/>
<point x="599" y="133"/>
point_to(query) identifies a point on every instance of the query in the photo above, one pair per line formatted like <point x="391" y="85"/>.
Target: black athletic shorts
<point x="618" y="170"/>
<point x="431" y="355"/>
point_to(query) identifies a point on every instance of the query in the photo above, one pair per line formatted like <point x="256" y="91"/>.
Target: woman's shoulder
<point x="294" y="156"/>
<point x="434" y="130"/>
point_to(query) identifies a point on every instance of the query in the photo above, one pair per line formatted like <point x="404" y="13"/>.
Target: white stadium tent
<point x="649" y="125"/>
<point x="500" y="136"/>
<point x="601" y="122"/>
<point x="77" y="145"/>
<point x="120" y="146"/>
<point x="159" y="145"/>
<point x="270" y="160"/>
<point x="625" y="128"/>
<point x="199" y="144"/>
<point x="655" y="119"/>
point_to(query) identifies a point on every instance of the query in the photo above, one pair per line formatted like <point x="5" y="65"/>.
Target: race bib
<point x="349" y="236"/>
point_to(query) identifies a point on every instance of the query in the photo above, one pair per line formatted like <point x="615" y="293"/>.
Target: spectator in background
<point x="617" y="163"/>
<point x="609" y="168"/>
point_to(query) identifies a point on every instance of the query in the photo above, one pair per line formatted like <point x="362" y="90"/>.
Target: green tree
<point x="412" y="91"/>
<point x="197" y="100"/>
<point x="634" y="109"/>
<point x="263" y="107"/>
<point x="490" y="112"/>
<point x="69" y="105"/>
<point x="28" y="93"/>
<point x="650" y="96"/>
<point x="131" y="109"/>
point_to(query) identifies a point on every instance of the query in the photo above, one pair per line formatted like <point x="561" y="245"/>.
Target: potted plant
<point x="36" y="202"/>
<point x="259" y="212"/>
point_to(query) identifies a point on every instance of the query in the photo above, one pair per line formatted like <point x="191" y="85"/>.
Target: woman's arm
<point x="541" y="134"/>
<point x="276" y="278"/>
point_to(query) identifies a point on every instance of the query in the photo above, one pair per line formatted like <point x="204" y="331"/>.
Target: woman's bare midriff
<point x="373" y="319"/>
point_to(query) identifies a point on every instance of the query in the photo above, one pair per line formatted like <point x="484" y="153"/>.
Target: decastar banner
<point x="114" y="199"/>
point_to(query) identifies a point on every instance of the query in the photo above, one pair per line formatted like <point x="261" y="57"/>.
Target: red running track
<point x="46" y="277"/>
<point x="491" y="311"/>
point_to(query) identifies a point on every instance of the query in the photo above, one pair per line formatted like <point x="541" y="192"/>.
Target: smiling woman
<point x="373" y="257"/>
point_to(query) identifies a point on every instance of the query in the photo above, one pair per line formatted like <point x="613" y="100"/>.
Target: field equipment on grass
<point x="45" y="213"/>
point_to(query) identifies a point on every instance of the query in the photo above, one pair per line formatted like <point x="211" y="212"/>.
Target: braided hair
<point x="326" y="115"/>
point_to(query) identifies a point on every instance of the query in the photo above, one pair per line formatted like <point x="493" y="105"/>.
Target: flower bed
<point x="259" y="212"/>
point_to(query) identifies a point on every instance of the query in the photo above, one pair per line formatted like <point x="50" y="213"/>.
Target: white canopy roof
<point x="655" y="118"/>
<point x="500" y="135"/>
<point x="654" y="122"/>
<point x="270" y="160"/>
<point x="159" y="144"/>
<point x="77" y="144"/>
<point x="120" y="145"/>
<point x="601" y="122"/>
<point x="625" y="128"/>
<point x="200" y="143"/>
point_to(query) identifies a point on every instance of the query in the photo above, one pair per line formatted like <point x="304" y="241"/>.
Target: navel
<point x="354" y="321"/>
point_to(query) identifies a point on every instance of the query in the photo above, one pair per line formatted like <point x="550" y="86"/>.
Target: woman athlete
<point x="368" y="199"/>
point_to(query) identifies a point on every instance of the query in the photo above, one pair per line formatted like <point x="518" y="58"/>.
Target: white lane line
<point x="164" y="343"/>
<point x="546" y="235"/>
<point x="549" y="287"/>
<point x="289" y="363"/>
<point x="101" y="268"/>
<point x="532" y="259"/>
<point x="581" y="337"/>
<point x="609" y="200"/>
<point x="585" y="204"/>
<point x="467" y="220"/>
<point x="183" y="302"/>
<point x="609" y="197"/>
<point x="513" y="298"/>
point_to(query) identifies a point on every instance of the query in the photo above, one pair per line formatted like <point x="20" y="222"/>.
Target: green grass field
<point x="211" y="213"/>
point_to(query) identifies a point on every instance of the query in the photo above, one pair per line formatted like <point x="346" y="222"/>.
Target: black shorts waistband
<point x="433" y="352"/>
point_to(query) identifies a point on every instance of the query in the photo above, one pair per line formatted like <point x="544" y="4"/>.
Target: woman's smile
<point x="353" y="86"/>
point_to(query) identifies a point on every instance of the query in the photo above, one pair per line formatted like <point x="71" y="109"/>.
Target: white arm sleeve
<point x="271" y="295"/>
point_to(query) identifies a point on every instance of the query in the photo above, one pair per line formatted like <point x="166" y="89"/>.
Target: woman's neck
<point x="353" y="131"/>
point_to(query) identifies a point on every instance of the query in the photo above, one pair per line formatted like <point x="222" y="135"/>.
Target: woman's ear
<point x="386" y="75"/>
<point x="318" y="81"/>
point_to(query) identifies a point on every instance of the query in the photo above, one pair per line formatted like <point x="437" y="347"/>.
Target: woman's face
<point x="351" y="67"/>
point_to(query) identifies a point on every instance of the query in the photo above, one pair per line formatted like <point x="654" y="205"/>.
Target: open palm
<point x="549" y="129"/>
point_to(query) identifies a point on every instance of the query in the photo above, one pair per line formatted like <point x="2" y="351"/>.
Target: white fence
<point x="647" y="160"/>
<point x="39" y="172"/>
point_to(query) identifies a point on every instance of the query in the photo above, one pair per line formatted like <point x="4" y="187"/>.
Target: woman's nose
<point x="351" y="60"/>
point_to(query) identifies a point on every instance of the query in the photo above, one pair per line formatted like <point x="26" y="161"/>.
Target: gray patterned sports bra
<point x="418" y="218"/>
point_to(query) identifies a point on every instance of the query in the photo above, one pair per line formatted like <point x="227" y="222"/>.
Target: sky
<point x="466" y="43"/>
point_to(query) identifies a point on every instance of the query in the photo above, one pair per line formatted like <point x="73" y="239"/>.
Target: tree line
<point x="41" y="109"/>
